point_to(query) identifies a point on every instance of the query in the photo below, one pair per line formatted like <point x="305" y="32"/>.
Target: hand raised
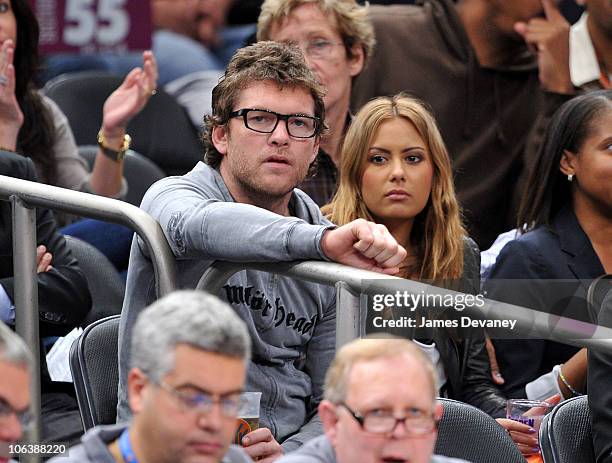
<point x="548" y="38"/>
<point x="11" y="116"/>
<point x="131" y="96"/>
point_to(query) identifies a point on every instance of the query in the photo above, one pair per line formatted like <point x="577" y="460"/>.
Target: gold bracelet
<point x="567" y="384"/>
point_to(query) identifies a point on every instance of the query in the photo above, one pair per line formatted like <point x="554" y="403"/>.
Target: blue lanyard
<point x="125" y="447"/>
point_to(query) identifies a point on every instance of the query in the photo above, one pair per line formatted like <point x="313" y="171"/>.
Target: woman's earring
<point x="570" y="177"/>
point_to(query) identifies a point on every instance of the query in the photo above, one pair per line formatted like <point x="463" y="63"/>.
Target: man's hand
<point x="364" y="245"/>
<point x="261" y="446"/>
<point x="43" y="259"/>
<point x="548" y="38"/>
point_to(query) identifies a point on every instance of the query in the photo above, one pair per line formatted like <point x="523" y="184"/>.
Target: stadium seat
<point x="93" y="363"/>
<point x="598" y="290"/>
<point x="469" y="433"/>
<point x="565" y="434"/>
<point x="162" y="131"/>
<point x="139" y="172"/>
<point x="105" y="284"/>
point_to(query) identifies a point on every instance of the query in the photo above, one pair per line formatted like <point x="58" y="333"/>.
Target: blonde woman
<point x="396" y="171"/>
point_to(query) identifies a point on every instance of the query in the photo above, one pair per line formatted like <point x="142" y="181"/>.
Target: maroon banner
<point x="93" y="26"/>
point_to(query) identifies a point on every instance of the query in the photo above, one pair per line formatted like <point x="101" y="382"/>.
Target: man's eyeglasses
<point x="319" y="48"/>
<point x="265" y="121"/>
<point x="6" y="410"/>
<point x="417" y="422"/>
<point x="202" y="402"/>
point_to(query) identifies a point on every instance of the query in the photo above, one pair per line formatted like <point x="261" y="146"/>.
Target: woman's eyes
<point x="377" y="158"/>
<point x="409" y="158"/>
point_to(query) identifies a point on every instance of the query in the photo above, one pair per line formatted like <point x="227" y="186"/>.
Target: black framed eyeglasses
<point x="24" y="417"/>
<point x="265" y="121"/>
<point x="202" y="402"/>
<point x="417" y="422"/>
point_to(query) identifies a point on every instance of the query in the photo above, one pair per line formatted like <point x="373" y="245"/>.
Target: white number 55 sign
<point x="89" y="26"/>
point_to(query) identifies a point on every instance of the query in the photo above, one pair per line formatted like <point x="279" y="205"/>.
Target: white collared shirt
<point x="434" y="355"/>
<point x="584" y="67"/>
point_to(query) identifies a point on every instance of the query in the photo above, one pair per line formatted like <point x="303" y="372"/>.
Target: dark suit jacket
<point x="63" y="294"/>
<point x="561" y="252"/>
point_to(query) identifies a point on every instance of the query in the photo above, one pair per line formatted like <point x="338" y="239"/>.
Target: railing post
<point x="26" y="303"/>
<point x="348" y="315"/>
<point x="24" y="194"/>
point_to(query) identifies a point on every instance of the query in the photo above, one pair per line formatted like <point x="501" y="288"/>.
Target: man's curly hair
<point x="275" y="62"/>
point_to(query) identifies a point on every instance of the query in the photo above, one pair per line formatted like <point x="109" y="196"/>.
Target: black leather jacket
<point x="466" y="362"/>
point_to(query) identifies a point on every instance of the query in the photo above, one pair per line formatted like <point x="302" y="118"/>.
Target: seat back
<point x="162" y="131"/>
<point x="95" y="371"/>
<point x="105" y="284"/>
<point x="469" y="433"/>
<point x="139" y="172"/>
<point x="565" y="434"/>
<point x="598" y="293"/>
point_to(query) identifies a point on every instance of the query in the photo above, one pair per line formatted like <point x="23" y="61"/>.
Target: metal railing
<point x="25" y="195"/>
<point x="350" y="316"/>
<point x="348" y="281"/>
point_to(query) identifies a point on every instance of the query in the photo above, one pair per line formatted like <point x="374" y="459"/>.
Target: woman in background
<point x="34" y="126"/>
<point x="565" y="221"/>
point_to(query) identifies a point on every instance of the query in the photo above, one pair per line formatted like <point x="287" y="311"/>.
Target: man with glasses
<point x="15" y="367"/>
<point x="188" y="367"/>
<point x="241" y="205"/>
<point x="337" y="39"/>
<point x="380" y="406"/>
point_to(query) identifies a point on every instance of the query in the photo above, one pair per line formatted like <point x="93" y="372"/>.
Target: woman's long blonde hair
<point x="438" y="233"/>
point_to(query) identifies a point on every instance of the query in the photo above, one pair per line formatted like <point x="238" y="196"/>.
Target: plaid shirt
<point x="322" y="186"/>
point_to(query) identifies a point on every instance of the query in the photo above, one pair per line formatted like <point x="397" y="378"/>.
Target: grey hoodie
<point x="94" y="448"/>
<point x="291" y="323"/>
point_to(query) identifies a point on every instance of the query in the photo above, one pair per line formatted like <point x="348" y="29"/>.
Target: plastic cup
<point x="248" y="415"/>
<point x="529" y="412"/>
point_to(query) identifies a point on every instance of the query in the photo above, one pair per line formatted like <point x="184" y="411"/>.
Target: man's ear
<point x="567" y="163"/>
<point x="357" y="61"/>
<point x="438" y="411"/>
<point x="137" y="381"/>
<point x="220" y="134"/>
<point x="327" y="413"/>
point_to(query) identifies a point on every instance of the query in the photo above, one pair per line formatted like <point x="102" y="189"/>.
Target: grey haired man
<point x="188" y="366"/>
<point x="16" y="367"/>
